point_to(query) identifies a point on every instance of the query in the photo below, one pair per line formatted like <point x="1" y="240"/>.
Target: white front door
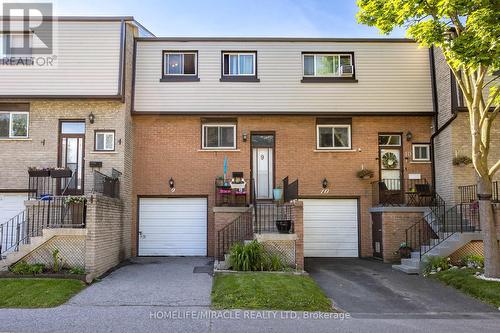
<point x="263" y="172"/>
<point x="172" y="227"/>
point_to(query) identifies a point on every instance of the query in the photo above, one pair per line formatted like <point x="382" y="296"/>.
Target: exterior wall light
<point x="244" y="136"/>
<point x="171" y="183"/>
<point x="324" y="183"/>
<point x="91" y="118"/>
<point x="409" y="136"/>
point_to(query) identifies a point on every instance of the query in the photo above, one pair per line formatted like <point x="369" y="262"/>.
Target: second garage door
<point x="172" y="227"/>
<point x="331" y="228"/>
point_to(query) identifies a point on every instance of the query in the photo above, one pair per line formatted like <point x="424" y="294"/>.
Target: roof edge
<point x="274" y="39"/>
<point x="74" y="18"/>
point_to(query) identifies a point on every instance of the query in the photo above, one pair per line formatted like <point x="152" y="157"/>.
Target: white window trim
<point x="391" y="145"/>
<point x="105" y="133"/>
<point x="165" y="63"/>
<point x="11" y="113"/>
<point x="420" y="145"/>
<point x="253" y="54"/>
<point x="338" y="55"/>
<point x="333" y="126"/>
<point x="233" y="147"/>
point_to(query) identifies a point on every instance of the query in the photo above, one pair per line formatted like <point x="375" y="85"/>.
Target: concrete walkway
<point x="369" y="288"/>
<point x="164" y="295"/>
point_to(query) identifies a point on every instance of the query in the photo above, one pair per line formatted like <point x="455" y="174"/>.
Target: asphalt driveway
<point x="370" y="288"/>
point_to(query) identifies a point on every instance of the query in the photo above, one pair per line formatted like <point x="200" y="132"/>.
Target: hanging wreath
<point x="390" y="160"/>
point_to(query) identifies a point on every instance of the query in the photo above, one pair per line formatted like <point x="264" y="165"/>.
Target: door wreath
<point x="390" y="160"/>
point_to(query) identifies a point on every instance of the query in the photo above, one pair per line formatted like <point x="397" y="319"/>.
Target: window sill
<point x="16" y="139"/>
<point x="335" y="150"/>
<point x="420" y="162"/>
<point x="104" y="152"/>
<point x="328" y="80"/>
<point x="180" y="78"/>
<point x="216" y="150"/>
<point x="239" y="79"/>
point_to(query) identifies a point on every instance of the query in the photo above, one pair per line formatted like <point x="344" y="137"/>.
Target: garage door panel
<point x="173" y="227"/>
<point x="331" y="228"/>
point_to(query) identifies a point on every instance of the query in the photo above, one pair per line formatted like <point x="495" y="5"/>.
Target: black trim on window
<point x="329" y="79"/>
<point x="238" y="78"/>
<point x="178" y="78"/>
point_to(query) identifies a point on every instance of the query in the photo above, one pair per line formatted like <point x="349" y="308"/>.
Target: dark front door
<point x="71" y="155"/>
<point x="377" y="235"/>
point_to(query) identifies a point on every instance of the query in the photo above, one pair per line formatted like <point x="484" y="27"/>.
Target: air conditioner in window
<point x="346" y="70"/>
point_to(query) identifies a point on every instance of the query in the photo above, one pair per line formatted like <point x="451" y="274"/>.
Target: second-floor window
<point x="182" y="63"/>
<point x="328" y="65"/>
<point x="14" y="125"/>
<point x="16" y="43"/>
<point x="239" y="64"/>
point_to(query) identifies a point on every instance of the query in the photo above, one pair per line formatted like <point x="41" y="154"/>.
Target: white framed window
<point x="104" y="140"/>
<point x="219" y="136"/>
<point x="389" y="140"/>
<point x="421" y="152"/>
<point x="333" y="136"/>
<point x="327" y="65"/>
<point x="180" y="63"/>
<point x="14" y="124"/>
<point x="239" y="64"/>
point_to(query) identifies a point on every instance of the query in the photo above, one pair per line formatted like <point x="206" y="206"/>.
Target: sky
<point x="245" y="18"/>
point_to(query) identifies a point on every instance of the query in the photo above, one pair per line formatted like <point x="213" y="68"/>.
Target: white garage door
<point x="173" y="227"/>
<point x="11" y="205"/>
<point x="331" y="228"/>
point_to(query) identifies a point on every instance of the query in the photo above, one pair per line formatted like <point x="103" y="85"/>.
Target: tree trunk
<point x="487" y="221"/>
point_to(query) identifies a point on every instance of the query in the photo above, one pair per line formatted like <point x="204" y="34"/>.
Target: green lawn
<point x="268" y="291"/>
<point x="37" y="293"/>
<point x="464" y="280"/>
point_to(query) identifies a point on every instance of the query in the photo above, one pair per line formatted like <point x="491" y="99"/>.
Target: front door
<point x="263" y="165"/>
<point x="377" y="235"/>
<point x="71" y="155"/>
<point x="391" y="168"/>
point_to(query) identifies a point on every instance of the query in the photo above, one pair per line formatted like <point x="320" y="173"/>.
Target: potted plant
<point x="365" y="174"/>
<point x="460" y="160"/>
<point x="219" y="181"/>
<point x="34" y="172"/>
<point x="404" y="250"/>
<point x="277" y="193"/>
<point x="284" y="226"/>
<point x="61" y="173"/>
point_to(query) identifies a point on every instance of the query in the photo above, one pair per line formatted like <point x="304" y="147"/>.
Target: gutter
<point x="436" y="112"/>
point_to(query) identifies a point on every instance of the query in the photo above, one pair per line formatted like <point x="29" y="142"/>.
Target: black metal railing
<point x="49" y="182"/>
<point x="399" y="192"/>
<point x="238" y="230"/>
<point x="435" y="228"/>
<point x="106" y="185"/>
<point x="468" y="193"/>
<point x="50" y="212"/>
<point x="270" y="216"/>
<point x="290" y="190"/>
<point x="232" y="194"/>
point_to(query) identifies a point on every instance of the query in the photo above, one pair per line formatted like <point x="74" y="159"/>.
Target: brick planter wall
<point x="298" y="218"/>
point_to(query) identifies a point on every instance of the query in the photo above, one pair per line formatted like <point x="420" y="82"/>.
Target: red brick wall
<point x="298" y="218"/>
<point x="169" y="146"/>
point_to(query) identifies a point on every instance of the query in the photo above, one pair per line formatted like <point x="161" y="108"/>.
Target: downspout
<point x="436" y="111"/>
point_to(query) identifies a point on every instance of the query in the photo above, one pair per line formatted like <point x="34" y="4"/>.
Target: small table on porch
<point x="413" y="199"/>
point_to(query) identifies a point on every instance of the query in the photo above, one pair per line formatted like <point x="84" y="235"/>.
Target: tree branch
<point x="494" y="168"/>
<point x="493" y="79"/>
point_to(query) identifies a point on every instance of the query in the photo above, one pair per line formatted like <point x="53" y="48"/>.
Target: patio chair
<point x="425" y="194"/>
<point x="388" y="197"/>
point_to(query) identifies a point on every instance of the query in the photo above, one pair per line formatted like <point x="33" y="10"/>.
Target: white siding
<point x="393" y="77"/>
<point x="173" y="227"/>
<point x="87" y="63"/>
<point x="331" y="228"/>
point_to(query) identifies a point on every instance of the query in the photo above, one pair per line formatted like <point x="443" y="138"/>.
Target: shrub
<point x="273" y="262"/>
<point x="364" y="173"/>
<point x="57" y="261"/>
<point x="77" y="270"/>
<point x="462" y="160"/>
<point x="472" y="261"/>
<point x="23" y="268"/>
<point x="246" y="257"/>
<point x="437" y="263"/>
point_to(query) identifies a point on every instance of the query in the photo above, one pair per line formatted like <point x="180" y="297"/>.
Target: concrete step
<point x="406" y="269"/>
<point x="410" y="263"/>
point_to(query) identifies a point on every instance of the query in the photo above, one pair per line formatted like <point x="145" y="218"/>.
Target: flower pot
<point x="39" y="173"/>
<point x="405" y="252"/>
<point x="277" y="194"/>
<point x="284" y="226"/>
<point x="367" y="177"/>
<point x="61" y="173"/>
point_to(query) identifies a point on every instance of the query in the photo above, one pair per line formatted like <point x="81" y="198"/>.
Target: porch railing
<point x="399" y="192"/>
<point x="267" y="215"/>
<point x="50" y="212"/>
<point x="106" y="185"/>
<point x="49" y="182"/>
<point x="238" y="230"/>
<point x="290" y="190"/>
<point x="468" y="193"/>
